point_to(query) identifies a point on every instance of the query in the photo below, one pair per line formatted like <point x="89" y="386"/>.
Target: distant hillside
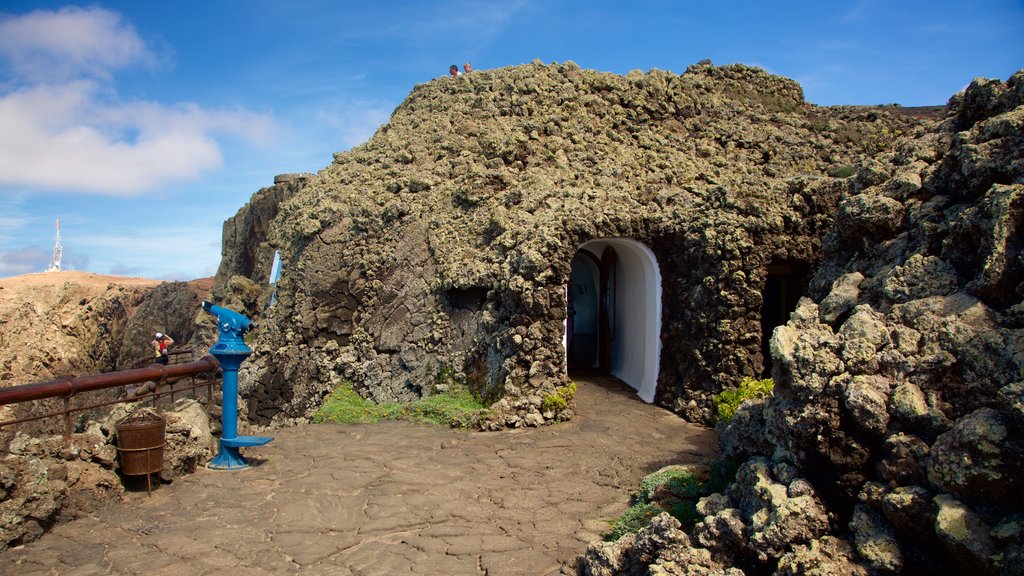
<point x="58" y="323"/>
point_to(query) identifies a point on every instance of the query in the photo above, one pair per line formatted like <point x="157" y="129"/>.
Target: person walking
<point x="160" y="343"/>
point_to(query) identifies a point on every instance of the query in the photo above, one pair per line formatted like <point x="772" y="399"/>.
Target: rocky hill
<point x="60" y="323"/>
<point x="76" y="323"/>
<point x="445" y="248"/>
<point x="441" y="249"/>
<point x="871" y="260"/>
<point x="894" y="442"/>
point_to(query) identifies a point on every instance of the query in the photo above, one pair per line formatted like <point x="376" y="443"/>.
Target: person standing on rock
<point x="160" y="343"/>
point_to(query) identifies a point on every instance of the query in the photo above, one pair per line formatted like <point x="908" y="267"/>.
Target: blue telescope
<point x="231" y="350"/>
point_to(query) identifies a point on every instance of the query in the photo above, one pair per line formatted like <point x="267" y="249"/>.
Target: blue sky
<point x="144" y="125"/>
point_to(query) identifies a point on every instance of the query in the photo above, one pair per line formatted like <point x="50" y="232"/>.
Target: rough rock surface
<point x="64" y="323"/>
<point x="45" y="480"/>
<point x="659" y="548"/>
<point x="75" y="323"/>
<point x="441" y="248"/>
<point x="898" y="380"/>
<point x="242" y="280"/>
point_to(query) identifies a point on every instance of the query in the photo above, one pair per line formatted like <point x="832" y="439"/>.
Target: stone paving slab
<point x="387" y="498"/>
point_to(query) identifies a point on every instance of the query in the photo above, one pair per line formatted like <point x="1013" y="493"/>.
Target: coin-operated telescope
<point x="231" y="350"/>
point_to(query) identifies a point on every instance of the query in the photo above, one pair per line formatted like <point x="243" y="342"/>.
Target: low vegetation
<point x="675" y="490"/>
<point x="728" y="401"/>
<point x="457" y="408"/>
<point x="560" y="399"/>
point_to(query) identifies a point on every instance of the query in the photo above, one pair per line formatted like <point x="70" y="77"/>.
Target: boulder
<point x="964" y="534"/>
<point x="659" y="548"/>
<point x="842" y="298"/>
<point x="825" y="556"/>
<point x="875" y="541"/>
<point x="980" y="458"/>
<point x="774" y="519"/>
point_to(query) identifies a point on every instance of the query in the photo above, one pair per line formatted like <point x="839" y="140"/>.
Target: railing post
<point x="67" y="417"/>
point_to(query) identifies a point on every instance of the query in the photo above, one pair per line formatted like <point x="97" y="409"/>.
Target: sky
<point x="143" y="126"/>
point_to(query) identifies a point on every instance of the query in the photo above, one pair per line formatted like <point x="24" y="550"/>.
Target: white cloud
<point x="65" y="138"/>
<point x="66" y="129"/>
<point x="56" y="45"/>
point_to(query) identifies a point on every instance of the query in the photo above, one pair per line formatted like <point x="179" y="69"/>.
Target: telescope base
<point x="229" y="458"/>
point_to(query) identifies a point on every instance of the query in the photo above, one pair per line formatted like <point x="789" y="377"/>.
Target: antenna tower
<point x="57" y="252"/>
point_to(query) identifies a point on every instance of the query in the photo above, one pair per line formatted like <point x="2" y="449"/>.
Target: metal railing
<point x="69" y="387"/>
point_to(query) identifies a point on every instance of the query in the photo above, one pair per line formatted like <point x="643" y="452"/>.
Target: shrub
<point x="680" y="482"/>
<point x="677" y="491"/>
<point x="632" y="520"/>
<point x="560" y="399"/>
<point x="685" y="511"/>
<point x="728" y="401"/>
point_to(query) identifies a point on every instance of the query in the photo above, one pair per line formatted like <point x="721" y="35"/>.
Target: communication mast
<point x="57" y="252"/>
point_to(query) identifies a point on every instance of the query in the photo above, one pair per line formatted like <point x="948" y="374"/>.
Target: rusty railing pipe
<point x="67" y="387"/>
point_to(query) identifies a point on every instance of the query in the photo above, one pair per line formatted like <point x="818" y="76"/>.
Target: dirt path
<point x="388" y="498"/>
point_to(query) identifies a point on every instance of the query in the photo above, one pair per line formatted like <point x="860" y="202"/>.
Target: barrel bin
<point x="140" y="444"/>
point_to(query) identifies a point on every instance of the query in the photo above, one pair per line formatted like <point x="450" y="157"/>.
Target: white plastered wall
<point x="636" y="340"/>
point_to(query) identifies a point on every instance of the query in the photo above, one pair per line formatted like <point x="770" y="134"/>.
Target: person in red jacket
<point x="160" y="343"/>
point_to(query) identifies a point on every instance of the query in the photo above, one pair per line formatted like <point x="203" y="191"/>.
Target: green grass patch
<point x="344" y="405"/>
<point x="455" y="409"/>
<point x="674" y="490"/>
<point x="679" y="482"/>
<point x="632" y="520"/>
<point x="728" y="401"/>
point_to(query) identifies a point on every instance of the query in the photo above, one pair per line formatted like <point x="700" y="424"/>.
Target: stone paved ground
<point x="387" y="498"/>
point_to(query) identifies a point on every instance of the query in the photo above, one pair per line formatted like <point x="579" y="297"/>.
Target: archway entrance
<point x="614" y="312"/>
<point x="783" y="287"/>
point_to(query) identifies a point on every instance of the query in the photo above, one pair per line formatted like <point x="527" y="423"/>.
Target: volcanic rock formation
<point x="444" y="248"/>
<point x="894" y="442"/>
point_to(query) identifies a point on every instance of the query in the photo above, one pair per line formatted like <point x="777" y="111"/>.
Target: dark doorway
<point x="591" y="310"/>
<point x="584" y="302"/>
<point x="607" y="310"/>
<point x="785" y="284"/>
